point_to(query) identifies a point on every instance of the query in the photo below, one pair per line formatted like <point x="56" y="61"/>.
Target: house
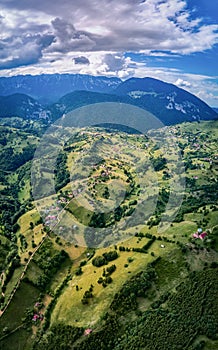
<point x="200" y="234"/>
<point x="88" y="331"/>
<point x="203" y="235"/>
<point x="37" y="304"/>
<point x="35" y="318"/>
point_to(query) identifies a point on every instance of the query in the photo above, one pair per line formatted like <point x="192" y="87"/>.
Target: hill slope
<point x="166" y="101"/>
<point x="21" y="105"/>
<point x="147" y="291"/>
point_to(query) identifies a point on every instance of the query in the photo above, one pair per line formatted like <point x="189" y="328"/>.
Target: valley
<point x="109" y="256"/>
<point x="108" y="175"/>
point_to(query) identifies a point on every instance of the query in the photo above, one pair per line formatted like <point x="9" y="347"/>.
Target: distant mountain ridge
<point x="48" y="88"/>
<point x="166" y="101"/>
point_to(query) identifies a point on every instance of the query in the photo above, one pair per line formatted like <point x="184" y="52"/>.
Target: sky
<point x="172" y="40"/>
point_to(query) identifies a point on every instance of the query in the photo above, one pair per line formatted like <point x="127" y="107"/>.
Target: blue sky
<point x="172" y="40"/>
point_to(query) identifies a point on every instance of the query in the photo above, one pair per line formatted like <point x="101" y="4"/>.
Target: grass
<point x="34" y="234"/>
<point x="60" y="275"/>
<point x="19" y="340"/>
<point x="3" y="239"/>
<point x="11" y="284"/>
<point x="24" y="298"/>
<point x="82" y="214"/>
<point x="69" y="308"/>
<point x="24" y="220"/>
<point x="24" y="193"/>
<point x="170" y="269"/>
<point x="73" y="251"/>
<point x="212" y="216"/>
<point x="33" y="271"/>
<point x="181" y="230"/>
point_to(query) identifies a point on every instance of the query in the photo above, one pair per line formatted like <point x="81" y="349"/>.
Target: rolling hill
<point x="136" y="287"/>
<point x="21" y="105"/>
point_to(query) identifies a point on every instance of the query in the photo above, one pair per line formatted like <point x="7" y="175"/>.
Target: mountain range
<point x="29" y="97"/>
<point x="48" y="88"/>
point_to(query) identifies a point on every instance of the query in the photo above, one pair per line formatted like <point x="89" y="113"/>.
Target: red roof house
<point x="88" y="331"/>
<point x="203" y="235"/>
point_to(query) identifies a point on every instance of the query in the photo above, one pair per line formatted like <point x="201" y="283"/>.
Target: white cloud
<point x="182" y="83"/>
<point x="46" y="36"/>
<point x="100" y="64"/>
<point x="126" y="25"/>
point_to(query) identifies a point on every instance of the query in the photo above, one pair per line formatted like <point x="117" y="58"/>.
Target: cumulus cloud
<point x="207" y="96"/>
<point x="22" y="40"/>
<point x="126" y="25"/>
<point x="23" y="50"/>
<point x="68" y="39"/>
<point x="182" y="83"/>
<point x="109" y="64"/>
<point x="88" y="36"/>
<point x="114" y="63"/>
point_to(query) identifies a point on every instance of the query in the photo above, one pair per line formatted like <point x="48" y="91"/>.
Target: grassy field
<point x="19" y="340"/>
<point x="24" y="221"/>
<point x="33" y="272"/>
<point x="12" y="319"/>
<point x="60" y="275"/>
<point x="82" y="214"/>
<point x="24" y="193"/>
<point x="34" y="234"/>
<point x="212" y="216"/>
<point x="24" y="298"/>
<point x="69" y="308"/>
<point x="13" y="281"/>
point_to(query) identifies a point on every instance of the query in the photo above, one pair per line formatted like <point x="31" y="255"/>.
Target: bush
<point x="108" y="280"/>
<point x="111" y="255"/>
<point x="99" y="261"/>
<point x="110" y="270"/>
<point x="79" y="271"/>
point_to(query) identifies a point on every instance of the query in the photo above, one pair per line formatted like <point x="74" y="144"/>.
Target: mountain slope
<point x="166" y="101"/>
<point x="50" y="87"/>
<point x="21" y="105"/>
<point x="171" y="106"/>
<point x="79" y="99"/>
